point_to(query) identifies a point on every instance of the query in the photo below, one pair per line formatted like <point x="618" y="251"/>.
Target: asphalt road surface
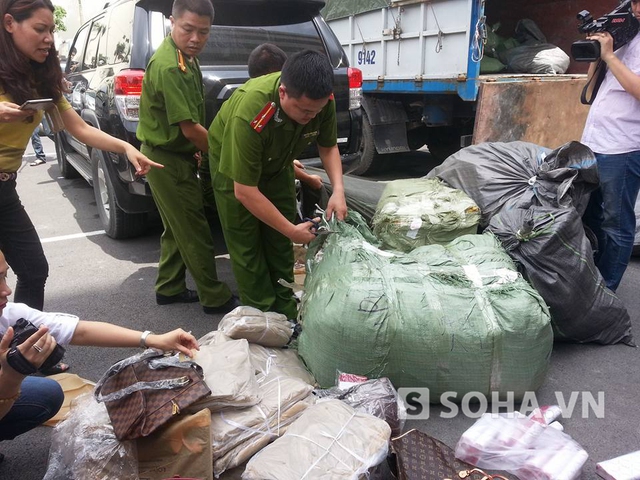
<point x="99" y="278"/>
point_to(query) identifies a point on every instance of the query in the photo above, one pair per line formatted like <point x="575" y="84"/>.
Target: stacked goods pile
<point x="533" y="199"/>
<point x="452" y="318"/>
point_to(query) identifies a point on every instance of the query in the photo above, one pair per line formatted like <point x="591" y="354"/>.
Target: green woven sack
<point x="422" y="211"/>
<point x="451" y="318"/>
<point x="491" y="65"/>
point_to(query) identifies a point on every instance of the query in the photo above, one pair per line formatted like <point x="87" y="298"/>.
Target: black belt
<point x="5" y="177"/>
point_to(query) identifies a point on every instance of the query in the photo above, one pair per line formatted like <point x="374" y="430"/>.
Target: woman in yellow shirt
<point x="29" y="69"/>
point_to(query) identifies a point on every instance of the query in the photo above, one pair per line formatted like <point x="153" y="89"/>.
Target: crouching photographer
<point x="612" y="131"/>
<point x="31" y="339"/>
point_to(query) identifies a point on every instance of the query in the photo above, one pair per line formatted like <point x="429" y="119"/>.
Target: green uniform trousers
<point x="186" y="241"/>
<point x="260" y="256"/>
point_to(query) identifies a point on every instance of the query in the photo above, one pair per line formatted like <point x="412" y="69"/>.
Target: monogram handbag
<point x="145" y="391"/>
<point x="419" y="456"/>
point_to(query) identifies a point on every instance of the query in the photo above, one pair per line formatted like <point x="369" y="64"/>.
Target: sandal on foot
<point x="37" y="161"/>
<point x="57" y="368"/>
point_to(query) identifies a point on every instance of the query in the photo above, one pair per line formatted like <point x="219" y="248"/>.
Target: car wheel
<point x="116" y="222"/>
<point x="66" y="169"/>
<point x="370" y="161"/>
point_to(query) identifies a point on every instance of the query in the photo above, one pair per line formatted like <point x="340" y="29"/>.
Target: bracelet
<point x="143" y="338"/>
<point x="10" y="399"/>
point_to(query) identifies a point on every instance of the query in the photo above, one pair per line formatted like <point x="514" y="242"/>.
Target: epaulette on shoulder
<point x="263" y="117"/>
<point x="181" y="64"/>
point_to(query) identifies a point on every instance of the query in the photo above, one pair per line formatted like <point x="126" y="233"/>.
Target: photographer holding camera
<point x="612" y="131"/>
<point x="28" y="401"/>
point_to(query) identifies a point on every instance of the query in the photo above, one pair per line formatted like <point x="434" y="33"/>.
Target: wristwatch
<point x="143" y="338"/>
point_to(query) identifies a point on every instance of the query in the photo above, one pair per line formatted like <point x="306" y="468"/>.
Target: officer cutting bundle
<point x="255" y="137"/>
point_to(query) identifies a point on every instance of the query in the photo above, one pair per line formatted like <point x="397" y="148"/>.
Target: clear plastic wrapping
<point x="247" y="441"/>
<point x="376" y="397"/>
<point x="270" y="362"/>
<point x="329" y="440"/>
<point x="229" y="374"/>
<point x="84" y="446"/>
<point x="523" y="446"/>
<point x="268" y="329"/>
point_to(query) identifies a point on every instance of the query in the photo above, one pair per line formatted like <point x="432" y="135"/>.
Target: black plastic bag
<point x="551" y="246"/>
<point x="493" y="173"/>
<point x="528" y="32"/>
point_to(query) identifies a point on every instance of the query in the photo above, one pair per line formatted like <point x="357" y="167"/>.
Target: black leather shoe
<point x="188" y="296"/>
<point x="226" y="307"/>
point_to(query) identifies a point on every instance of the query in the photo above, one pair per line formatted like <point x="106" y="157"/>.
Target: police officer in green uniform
<point x="171" y="131"/>
<point x="253" y="141"/>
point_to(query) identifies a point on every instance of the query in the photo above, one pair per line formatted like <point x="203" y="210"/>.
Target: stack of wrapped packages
<point x="424" y="302"/>
<point x="453" y="317"/>
<point x="260" y="392"/>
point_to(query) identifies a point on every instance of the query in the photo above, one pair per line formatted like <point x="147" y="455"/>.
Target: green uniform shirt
<point x="170" y="96"/>
<point x="250" y="157"/>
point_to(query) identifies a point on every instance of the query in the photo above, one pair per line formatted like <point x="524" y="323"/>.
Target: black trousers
<point x="22" y="248"/>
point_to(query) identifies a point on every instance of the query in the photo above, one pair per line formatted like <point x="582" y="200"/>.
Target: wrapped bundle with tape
<point x="422" y="211"/>
<point x="269" y="329"/>
<point x="330" y="440"/>
<point x="451" y="318"/>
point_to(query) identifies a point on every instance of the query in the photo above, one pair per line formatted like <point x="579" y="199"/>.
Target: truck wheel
<point x="66" y="170"/>
<point x="370" y="160"/>
<point x="117" y="223"/>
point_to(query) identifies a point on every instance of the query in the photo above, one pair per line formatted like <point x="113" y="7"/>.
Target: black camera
<point x="22" y="330"/>
<point x="620" y="23"/>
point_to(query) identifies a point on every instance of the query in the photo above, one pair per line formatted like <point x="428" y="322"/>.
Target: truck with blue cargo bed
<point x="423" y="78"/>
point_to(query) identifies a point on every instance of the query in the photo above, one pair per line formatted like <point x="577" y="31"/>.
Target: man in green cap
<point x="171" y="131"/>
<point x="255" y="137"/>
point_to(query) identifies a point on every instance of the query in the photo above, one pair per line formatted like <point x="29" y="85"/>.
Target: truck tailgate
<point x="544" y="110"/>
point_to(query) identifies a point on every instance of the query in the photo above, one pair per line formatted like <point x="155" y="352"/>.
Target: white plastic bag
<point x="521" y="446"/>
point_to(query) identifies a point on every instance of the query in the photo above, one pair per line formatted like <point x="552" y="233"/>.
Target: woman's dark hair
<point x="20" y="77"/>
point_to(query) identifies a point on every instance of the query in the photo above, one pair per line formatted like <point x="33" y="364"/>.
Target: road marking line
<point x="225" y="256"/>
<point x="71" y="237"/>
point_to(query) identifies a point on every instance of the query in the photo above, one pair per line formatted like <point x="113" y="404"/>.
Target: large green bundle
<point x="422" y="211"/>
<point x="451" y="318"/>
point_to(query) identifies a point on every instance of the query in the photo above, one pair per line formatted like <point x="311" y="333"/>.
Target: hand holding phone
<point x="37" y="104"/>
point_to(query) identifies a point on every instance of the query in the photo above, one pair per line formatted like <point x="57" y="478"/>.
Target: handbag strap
<point x="168" y="384"/>
<point x="155" y="360"/>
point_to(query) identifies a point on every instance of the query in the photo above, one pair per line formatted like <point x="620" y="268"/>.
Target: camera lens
<point x="585" y="50"/>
